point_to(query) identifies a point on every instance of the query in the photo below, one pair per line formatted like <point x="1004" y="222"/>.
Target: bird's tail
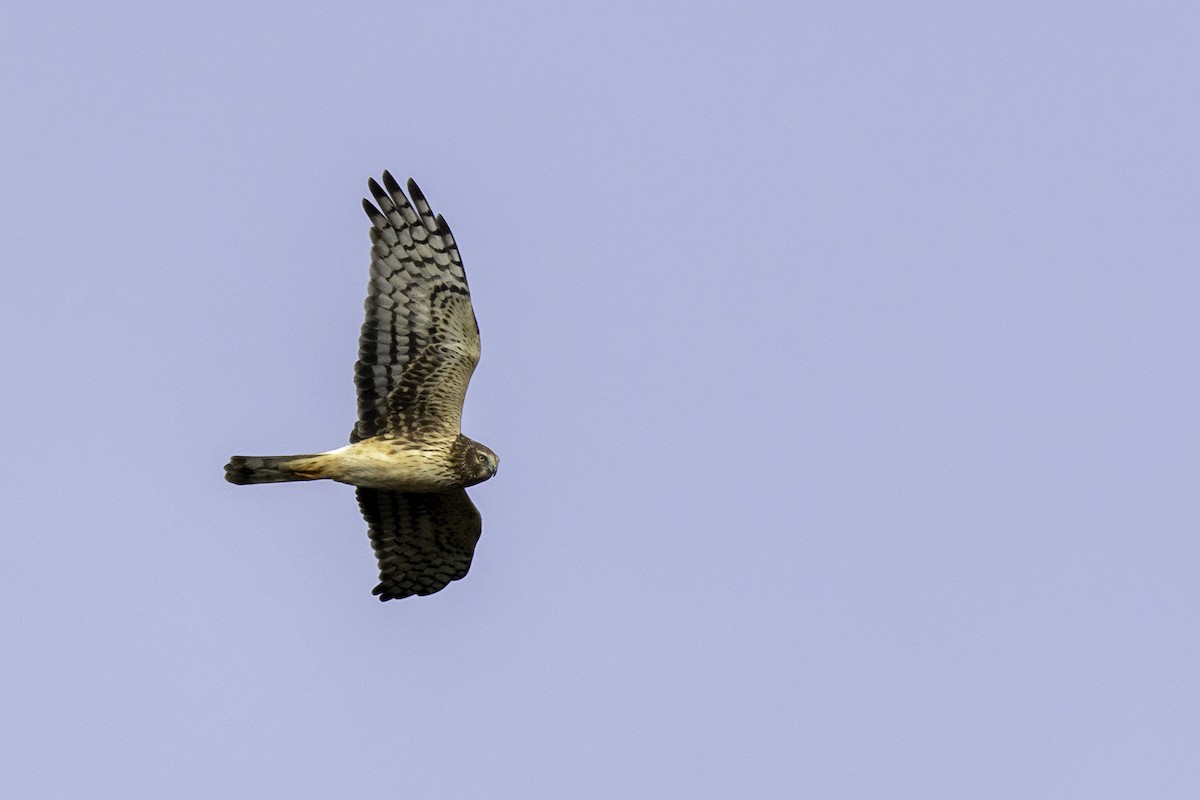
<point x="273" y="469"/>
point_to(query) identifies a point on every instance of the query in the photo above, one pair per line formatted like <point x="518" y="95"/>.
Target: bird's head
<point x="477" y="462"/>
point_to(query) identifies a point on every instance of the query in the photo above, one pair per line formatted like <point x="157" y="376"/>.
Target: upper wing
<point x="422" y="541"/>
<point x="418" y="308"/>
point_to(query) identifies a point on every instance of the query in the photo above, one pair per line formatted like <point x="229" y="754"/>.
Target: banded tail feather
<point x="273" y="469"/>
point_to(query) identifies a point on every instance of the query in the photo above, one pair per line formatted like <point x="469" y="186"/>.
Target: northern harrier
<point x="407" y="456"/>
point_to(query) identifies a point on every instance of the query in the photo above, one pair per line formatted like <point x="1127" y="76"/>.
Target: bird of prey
<point x="407" y="455"/>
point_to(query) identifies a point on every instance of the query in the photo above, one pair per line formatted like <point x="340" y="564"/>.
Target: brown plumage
<point x="417" y="350"/>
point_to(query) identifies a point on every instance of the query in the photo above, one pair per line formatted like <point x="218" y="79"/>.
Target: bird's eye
<point x="482" y="458"/>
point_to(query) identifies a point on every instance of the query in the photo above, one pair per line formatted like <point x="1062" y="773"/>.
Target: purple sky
<point x="842" y="362"/>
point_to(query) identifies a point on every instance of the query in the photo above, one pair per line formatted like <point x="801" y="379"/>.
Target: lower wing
<point x="422" y="541"/>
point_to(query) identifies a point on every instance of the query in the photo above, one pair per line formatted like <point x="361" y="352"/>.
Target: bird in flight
<point x="407" y="456"/>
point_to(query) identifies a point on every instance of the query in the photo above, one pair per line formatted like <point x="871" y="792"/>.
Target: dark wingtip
<point x="376" y="189"/>
<point x="373" y="212"/>
<point x="415" y="192"/>
<point x="390" y="182"/>
<point x="424" y="212"/>
<point x="385" y="594"/>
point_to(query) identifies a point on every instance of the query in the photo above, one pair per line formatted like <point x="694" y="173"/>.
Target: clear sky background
<point x="841" y="358"/>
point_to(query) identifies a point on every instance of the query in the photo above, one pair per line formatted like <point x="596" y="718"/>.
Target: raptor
<point x="407" y="455"/>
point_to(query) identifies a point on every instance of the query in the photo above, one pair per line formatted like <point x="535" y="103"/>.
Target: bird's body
<point x="417" y="351"/>
<point x="382" y="462"/>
